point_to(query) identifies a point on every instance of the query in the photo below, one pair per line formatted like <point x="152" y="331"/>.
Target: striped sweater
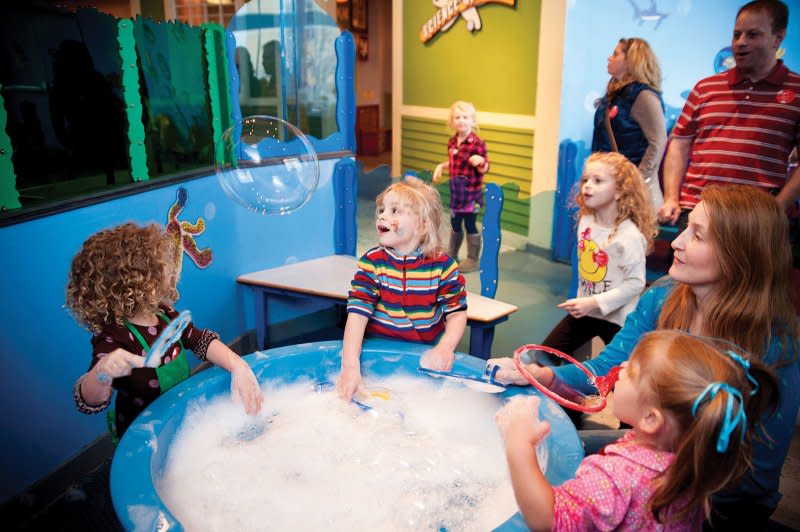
<point x="406" y="297"/>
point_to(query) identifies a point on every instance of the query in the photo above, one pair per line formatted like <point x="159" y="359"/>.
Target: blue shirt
<point x="760" y="485"/>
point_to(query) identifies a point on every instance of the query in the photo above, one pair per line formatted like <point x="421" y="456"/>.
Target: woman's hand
<point x="509" y="374"/>
<point x="349" y="382"/>
<point x="518" y="421"/>
<point x="439" y="358"/>
<point x="579" y="307"/>
<point x="245" y="388"/>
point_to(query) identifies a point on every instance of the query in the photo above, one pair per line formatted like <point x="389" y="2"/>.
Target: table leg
<point x="480" y="341"/>
<point x="262" y="315"/>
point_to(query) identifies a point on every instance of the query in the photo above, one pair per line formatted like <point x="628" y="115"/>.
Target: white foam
<point x="428" y="457"/>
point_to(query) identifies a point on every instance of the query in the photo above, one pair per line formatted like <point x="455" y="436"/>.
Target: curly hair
<point x="633" y="201"/>
<point x="463" y="107"/>
<point x="121" y="272"/>
<point x="425" y="202"/>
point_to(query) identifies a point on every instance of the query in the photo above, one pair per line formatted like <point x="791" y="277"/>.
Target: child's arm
<point x="437" y="172"/>
<point x="350" y="377"/>
<point x="522" y="431"/>
<point x="244" y="384"/>
<point x="95" y="384"/>
<point x="441" y="357"/>
<point x="578" y="307"/>
<point x="479" y="162"/>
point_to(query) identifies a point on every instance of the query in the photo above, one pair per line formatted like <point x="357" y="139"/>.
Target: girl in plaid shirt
<point x="467" y="164"/>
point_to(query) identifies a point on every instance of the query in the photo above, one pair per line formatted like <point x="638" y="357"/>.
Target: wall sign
<point x="449" y="10"/>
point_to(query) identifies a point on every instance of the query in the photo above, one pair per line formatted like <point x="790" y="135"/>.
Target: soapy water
<point x="424" y="455"/>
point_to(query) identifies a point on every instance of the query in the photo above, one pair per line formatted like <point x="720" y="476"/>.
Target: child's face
<point x="398" y="226"/>
<point x="462" y="121"/>
<point x="630" y="404"/>
<point x="598" y="185"/>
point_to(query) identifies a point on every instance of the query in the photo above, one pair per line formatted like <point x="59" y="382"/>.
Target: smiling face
<point x="398" y="225"/>
<point x="754" y="43"/>
<point x="695" y="262"/>
<point x="617" y="64"/>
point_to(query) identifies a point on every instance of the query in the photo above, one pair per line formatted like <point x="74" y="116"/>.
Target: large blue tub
<point x="142" y="452"/>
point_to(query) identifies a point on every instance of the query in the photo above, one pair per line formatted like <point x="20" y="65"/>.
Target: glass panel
<point x="175" y="102"/>
<point x="287" y="63"/>
<point x="60" y="73"/>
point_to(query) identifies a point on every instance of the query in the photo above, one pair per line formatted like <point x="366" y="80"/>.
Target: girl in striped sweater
<point x="405" y="288"/>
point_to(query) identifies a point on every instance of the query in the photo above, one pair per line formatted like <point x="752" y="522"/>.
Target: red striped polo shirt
<point x="742" y="131"/>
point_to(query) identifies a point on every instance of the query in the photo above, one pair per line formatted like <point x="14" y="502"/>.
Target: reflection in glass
<point x="287" y="63"/>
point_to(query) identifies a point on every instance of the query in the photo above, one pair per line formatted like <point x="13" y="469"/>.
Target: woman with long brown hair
<point x="630" y="115"/>
<point x="729" y="280"/>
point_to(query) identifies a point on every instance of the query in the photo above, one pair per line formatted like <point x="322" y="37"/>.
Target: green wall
<point x="494" y="68"/>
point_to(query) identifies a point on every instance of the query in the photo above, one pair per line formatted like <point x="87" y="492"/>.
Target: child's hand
<point x="245" y="388"/>
<point x="437" y="172"/>
<point x="509" y="374"/>
<point x="439" y="358"/>
<point x="477" y="160"/>
<point x="580" y="306"/>
<point x="348" y="383"/>
<point x="518" y="421"/>
<point x="118" y="363"/>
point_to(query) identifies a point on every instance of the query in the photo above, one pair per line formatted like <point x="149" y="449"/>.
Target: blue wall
<point x="44" y="350"/>
<point x="687" y="43"/>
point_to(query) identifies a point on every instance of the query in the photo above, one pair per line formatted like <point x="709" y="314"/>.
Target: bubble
<point x="267" y="165"/>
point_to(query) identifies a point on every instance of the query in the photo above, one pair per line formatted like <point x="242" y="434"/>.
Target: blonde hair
<point x="425" y="203"/>
<point x="633" y="201"/>
<point x="642" y="65"/>
<point x="749" y="234"/>
<point x="466" y="108"/>
<point x="673" y="369"/>
<point x="121" y="272"/>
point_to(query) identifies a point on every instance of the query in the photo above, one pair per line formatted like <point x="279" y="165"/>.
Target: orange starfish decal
<point x="183" y="233"/>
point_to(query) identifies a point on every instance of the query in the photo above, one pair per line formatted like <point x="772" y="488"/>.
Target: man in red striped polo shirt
<point x="738" y="126"/>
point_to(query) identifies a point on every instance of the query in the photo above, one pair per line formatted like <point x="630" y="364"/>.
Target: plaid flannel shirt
<point x="466" y="182"/>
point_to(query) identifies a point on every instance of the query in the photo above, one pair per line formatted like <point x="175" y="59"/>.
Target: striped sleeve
<point x="363" y="289"/>
<point x="452" y="296"/>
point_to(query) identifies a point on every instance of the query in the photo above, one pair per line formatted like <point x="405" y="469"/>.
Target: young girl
<point x="122" y="286"/>
<point x="693" y="404"/>
<point x="467" y="163"/>
<point x="405" y="288"/>
<point x="616" y="227"/>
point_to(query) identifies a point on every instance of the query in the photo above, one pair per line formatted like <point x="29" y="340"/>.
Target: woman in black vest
<point x="633" y="110"/>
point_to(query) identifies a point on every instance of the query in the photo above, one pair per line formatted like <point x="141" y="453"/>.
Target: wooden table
<point x="327" y="279"/>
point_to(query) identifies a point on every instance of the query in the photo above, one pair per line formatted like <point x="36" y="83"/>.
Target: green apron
<point x="169" y="374"/>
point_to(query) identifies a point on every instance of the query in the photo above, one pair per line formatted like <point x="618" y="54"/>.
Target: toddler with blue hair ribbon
<point x="694" y="405"/>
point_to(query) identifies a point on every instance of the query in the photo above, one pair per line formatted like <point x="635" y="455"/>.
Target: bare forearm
<point x="221" y="355"/>
<point x="353" y="339"/>
<point x="532" y="491"/>
<point x="675" y="164"/>
<point x="790" y="191"/>
<point x="455" y="325"/>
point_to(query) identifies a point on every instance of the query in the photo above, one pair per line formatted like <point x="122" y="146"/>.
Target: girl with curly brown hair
<point x="616" y="227"/>
<point x="122" y="287"/>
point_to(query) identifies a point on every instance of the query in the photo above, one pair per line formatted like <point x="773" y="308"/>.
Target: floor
<point x="527" y="279"/>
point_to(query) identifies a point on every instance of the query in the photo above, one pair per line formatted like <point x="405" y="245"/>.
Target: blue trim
<point x="345" y="191"/>
<point x="346" y="89"/>
<point x="492" y="237"/>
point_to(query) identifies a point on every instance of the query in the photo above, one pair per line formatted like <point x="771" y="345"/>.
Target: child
<point x="122" y="286"/>
<point x="616" y="227"/>
<point x="405" y="288"/>
<point x="693" y="404"/>
<point x="467" y="163"/>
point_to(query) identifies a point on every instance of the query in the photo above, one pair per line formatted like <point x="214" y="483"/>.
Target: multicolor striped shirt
<point x="742" y="131"/>
<point x="406" y="297"/>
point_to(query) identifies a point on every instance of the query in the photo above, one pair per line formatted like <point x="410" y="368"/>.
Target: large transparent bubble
<point x="267" y="165"/>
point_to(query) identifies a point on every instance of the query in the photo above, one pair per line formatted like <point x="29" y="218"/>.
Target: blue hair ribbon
<point x="746" y="365"/>
<point x="731" y="419"/>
